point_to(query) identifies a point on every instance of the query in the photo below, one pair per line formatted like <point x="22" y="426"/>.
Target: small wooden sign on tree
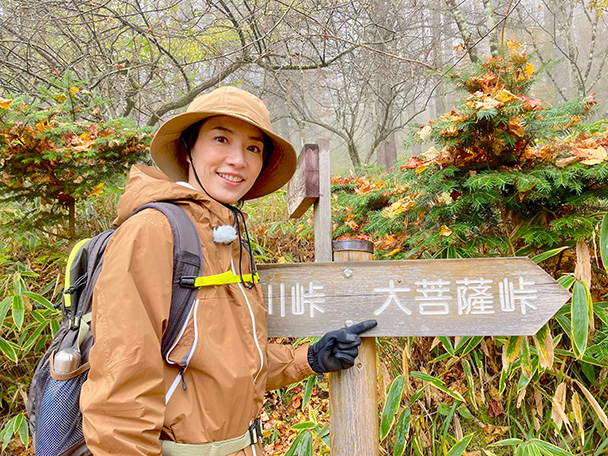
<point x="303" y="188"/>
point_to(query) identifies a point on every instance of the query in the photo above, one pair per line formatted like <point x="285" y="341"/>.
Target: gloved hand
<point x="338" y="349"/>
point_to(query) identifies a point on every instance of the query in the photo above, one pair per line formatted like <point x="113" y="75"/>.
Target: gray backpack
<point x="53" y="404"/>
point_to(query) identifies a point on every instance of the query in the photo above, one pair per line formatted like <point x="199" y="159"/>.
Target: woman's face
<point x="228" y="158"/>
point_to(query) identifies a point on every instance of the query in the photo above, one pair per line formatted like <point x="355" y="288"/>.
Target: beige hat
<point x="170" y="156"/>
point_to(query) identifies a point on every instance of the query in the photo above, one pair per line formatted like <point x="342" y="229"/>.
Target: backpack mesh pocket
<point x="59" y="418"/>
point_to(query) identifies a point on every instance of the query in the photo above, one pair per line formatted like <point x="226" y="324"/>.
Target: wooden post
<point x="322" y="208"/>
<point x="353" y="403"/>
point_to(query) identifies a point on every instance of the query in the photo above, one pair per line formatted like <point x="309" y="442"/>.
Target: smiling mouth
<point x="231" y="177"/>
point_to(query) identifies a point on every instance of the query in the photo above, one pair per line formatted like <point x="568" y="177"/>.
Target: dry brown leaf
<point x="582" y="271"/>
<point x="563" y="162"/>
<point x="594" y="404"/>
<point x="538" y="409"/>
<point x="578" y="415"/>
<point x="505" y="96"/>
<point x="520" y="396"/>
<point x="457" y="427"/>
<point x="445" y="231"/>
<point x="558" y="406"/>
<point x="592" y="156"/>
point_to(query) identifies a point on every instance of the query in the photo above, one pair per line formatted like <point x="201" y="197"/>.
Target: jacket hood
<point x="149" y="185"/>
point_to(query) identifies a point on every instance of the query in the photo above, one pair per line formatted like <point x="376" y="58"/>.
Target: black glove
<point x="338" y="349"/>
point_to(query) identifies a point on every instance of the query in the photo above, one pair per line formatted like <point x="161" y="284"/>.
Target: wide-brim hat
<point x="170" y="156"/>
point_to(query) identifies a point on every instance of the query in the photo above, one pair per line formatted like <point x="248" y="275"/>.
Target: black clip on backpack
<point x="53" y="403"/>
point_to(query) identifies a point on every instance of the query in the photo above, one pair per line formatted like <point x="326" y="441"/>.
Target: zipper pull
<point x="181" y="374"/>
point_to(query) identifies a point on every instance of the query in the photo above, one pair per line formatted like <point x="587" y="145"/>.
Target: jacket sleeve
<point x="286" y="365"/>
<point x="122" y="401"/>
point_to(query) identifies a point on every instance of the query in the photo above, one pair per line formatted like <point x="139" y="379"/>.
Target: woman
<point x="218" y="153"/>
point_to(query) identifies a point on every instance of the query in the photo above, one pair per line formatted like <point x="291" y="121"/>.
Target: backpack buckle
<point x="75" y="323"/>
<point x="187" y="281"/>
<point x="255" y="431"/>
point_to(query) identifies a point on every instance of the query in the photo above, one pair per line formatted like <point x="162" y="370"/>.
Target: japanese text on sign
<point x="470" y="296"/>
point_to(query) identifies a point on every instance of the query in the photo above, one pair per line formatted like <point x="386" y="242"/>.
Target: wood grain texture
<point x="322" y="221"/>
<point x="303" y="188"/>
<point x="459" y="297"/>
<point x="353" y="402"/>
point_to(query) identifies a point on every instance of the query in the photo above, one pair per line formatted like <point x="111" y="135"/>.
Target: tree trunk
<point x="463" y="27"/>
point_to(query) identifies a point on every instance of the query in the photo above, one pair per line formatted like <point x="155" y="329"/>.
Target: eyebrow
<point x="255" y="138"/>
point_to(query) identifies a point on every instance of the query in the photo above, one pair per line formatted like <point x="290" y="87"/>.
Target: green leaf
<point x="512" y="348"/>
<point x="507" y="442"/>
<point x="310" y="384"/>
<point x="566" y="281"/>
<point x="4" y="306"/>
<point x="39" y="299"/>
<point x="304" y="425"/>
<point x="8" y="350"/>
<point x="21" y="426"/>
<point x="579" y="329"/>
<point x="18" y="311"/>
<point x="532" y="449"/>
<point x="550" y="450"/>
<point x="466" y="367"/>
<point x="473" y="343"/>
<point x="393" y="400"/>
<point x="459" y="448"/>
<point x="9" y="430"/>
<point x="437" y="383"/>
<point x="447" y="344"/>
<point x="548" y="254"/>
<point x="307" y="445"/>
<point x="604" y="242"/>
<point x="402" y="430"/>
<point x="465" y="412"/>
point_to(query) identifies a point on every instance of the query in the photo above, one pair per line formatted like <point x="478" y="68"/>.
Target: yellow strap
<point x="224" y="278"/>
<point x="68" y="276"/>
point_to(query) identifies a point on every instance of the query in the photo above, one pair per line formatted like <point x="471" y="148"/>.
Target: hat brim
<point x="170" y="155"/>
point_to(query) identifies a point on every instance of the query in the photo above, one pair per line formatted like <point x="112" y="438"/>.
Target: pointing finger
<point x="361" y="327"/>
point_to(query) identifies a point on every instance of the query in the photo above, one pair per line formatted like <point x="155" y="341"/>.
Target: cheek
<point x="256" y="166"/>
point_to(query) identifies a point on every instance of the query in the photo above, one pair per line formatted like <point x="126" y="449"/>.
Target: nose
<point x="236" y="156"/>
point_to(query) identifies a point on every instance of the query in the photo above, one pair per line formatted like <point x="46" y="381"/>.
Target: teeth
<point x="231" y="178"/>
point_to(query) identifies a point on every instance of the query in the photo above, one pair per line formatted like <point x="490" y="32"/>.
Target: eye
<point x="221" y="139"/>
<point x="255" y="149"/>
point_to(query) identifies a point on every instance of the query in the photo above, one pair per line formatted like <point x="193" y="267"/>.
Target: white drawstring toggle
<point x="224" y="234"/>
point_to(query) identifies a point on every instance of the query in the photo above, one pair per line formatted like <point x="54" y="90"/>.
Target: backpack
<point x="53" y="403"/>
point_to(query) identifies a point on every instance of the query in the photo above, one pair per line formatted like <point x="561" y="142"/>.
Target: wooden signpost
<point x="455" y="297"/>
<point x="460" y="297"/>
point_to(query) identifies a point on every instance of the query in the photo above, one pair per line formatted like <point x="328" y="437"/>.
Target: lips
<point x="231" y="177"/>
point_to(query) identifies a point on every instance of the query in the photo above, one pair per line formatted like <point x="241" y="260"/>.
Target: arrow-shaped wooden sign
<point x="454" y="297"/>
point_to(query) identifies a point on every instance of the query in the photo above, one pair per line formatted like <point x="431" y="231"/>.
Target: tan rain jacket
<point x="232" y="365"/>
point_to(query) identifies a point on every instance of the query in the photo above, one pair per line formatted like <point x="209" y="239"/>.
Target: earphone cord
<point x="236" y="212"/>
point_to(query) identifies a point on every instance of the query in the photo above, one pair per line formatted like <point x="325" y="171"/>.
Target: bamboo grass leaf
<point x="597" y="408"/>
<point x="18" y="310"/>
<point x="604" y="242"/>
<point x="511" y="350"/>
<point x="548" y="449"/>
<point x="466" y="367"/>
<point x="437" y="383"/>
<point x="393" y="400"/>
<point x="39" y="299"/>
<point x="544" y="347"/>
<point x="579" y="326"/>
<point x="548" y="254"/>
<point x="8" y="350"/>
<point x="460" y="446"/>
<point x="402" y="430"/>
<point x="310" y="384"/>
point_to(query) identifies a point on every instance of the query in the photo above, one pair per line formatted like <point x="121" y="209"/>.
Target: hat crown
<point x="234" y="102"/>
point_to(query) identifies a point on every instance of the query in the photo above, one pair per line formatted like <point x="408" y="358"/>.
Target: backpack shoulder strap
<point x="187" y="264"/>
